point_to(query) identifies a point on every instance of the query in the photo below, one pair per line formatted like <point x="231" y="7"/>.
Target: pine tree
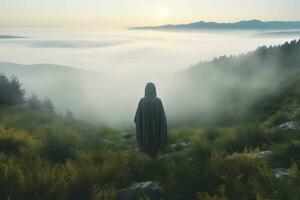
<point x="11" y="92"/>
<point x="34" y="102"/>
<point x="47" y="104"/>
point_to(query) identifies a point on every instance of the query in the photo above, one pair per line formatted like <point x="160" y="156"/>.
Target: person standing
<point x="151" y="123"/>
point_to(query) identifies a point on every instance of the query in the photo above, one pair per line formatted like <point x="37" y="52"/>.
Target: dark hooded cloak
<point x="151" y="122"/>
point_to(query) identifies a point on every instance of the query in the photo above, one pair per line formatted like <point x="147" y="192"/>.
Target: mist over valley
<point x="101" y="78"/>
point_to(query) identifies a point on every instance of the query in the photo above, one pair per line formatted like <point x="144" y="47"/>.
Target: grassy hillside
<point x="48" y="156"/>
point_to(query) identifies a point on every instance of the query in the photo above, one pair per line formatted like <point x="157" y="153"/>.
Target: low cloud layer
<point x="117" y="67"/>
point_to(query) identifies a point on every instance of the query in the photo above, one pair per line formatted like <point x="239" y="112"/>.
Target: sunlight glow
<point x="163" y="13"/>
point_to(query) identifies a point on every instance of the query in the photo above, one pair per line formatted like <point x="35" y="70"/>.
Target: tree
<point x="69" y="115"/>
<point x="11" y="92"/>
<point x="34" y="102"/>
<point x="47" y="104"/>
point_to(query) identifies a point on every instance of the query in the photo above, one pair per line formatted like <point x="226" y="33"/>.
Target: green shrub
<point x="12" y="141"/>
<point x="279" y="118"/>
<point x="43" y="181"/>
<point x="284" y="154"/>
<point x="251" y="136"/>
<point x="211" y="133"/>
<point x="288" y="187"/>
<point x="242" y="177"/>
<point x="143" y="168"/>
<point x="58" y="147"/>
<point x="11" y="181"/>
<point x="200" y="150"/>
<point x="241" y="137"/>
<point x="83" y="179"/>
<point x="181" y="135"/>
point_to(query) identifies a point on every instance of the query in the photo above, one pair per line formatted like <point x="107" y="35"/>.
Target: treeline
<point x="243" y="88"/>
<point x="12" y="93"/>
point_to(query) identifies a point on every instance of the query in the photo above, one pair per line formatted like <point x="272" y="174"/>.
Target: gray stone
<point x="126" y="135"/>
<point x="292" y="125"/>
<point x="148" y="190"/>
<point x="280" y="172"/>
<point x="178" y="146"/>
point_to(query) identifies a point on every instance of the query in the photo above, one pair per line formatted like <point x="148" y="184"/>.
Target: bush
<point x="279" y="118"/>
<point x="11" y="181"/>
<point x="211" y="133"/>
<point x="143" y="168"/>
<point x="43" y="181"/>
<point x="200" y="150"/>
<point x="88" y="180"/>
<point x="286" y="153"/>
<point x="242" y="177"/>
<point x="58" y="147"/>
<point x="241" y="137"/>
<point x="181" y="135"/>
<point x="12" y="141"/>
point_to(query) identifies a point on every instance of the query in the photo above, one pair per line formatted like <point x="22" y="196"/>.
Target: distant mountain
<point x="247" y="25"/>
<point x="9" y="37"/>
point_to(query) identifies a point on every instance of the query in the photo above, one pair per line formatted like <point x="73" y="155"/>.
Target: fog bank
<point x="111" y="70"/>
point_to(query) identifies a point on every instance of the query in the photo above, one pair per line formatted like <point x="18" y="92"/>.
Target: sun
<point x="163" y="13"/>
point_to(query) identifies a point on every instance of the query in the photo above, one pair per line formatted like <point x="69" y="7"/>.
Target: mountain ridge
<point x="245" y="24"/>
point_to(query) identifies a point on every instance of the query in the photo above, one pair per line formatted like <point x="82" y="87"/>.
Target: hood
<point x="150" y="90"/>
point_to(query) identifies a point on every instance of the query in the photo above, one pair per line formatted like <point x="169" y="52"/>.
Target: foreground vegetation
<point x="49" y="156"/>
<point x="45" y="155"/>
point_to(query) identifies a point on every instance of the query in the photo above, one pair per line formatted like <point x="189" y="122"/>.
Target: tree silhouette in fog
<point x="11" y="92"/>
<point x="34" y="102"/>
<point x="47" y="104"/>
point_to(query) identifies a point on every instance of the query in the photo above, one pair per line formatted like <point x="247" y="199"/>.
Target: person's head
<point x="150" y="90"/>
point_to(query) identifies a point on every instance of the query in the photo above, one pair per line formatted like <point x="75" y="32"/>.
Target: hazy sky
<point x="124" y="13"/>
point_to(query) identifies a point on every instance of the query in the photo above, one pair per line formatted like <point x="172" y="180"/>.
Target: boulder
<point x="292" y="125"/>
<point x="280" y="172"/>
<point x="178" y="146"/>
<point x="126" y="135"/>
<point x="145" y="190"/>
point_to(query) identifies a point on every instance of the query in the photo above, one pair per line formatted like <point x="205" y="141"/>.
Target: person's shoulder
<point x="143" y="99"/>
<point x="157" y="99"/>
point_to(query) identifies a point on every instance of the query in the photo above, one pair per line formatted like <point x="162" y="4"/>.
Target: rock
<point x="280" y="172"/>
<point x="178" y="146"/>
<point x="126" y="135"/>
<point x="292" y="125"/>
<point x="149" y="190"/>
